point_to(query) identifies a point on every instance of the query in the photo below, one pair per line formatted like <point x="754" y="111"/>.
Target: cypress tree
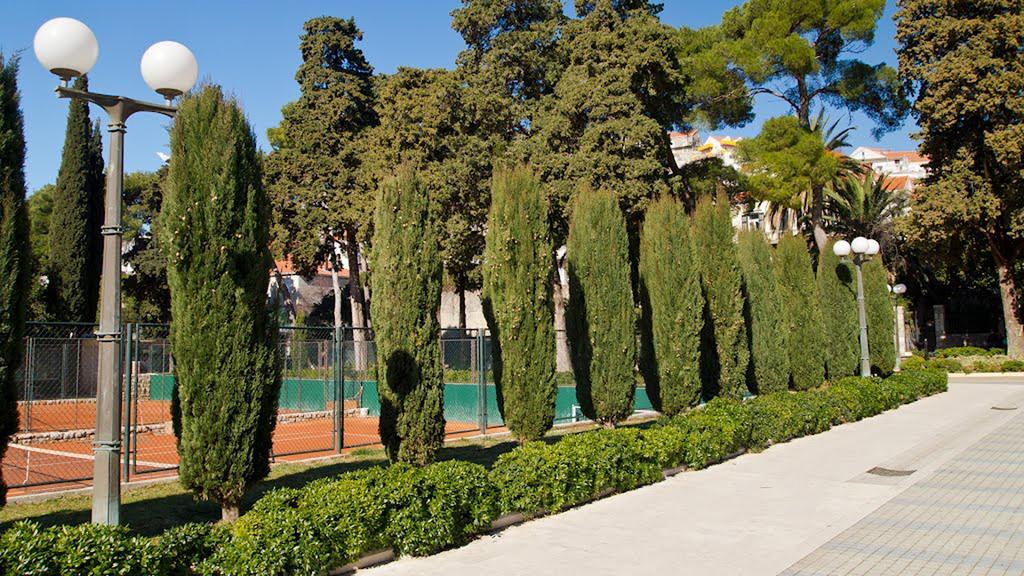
<point x="726" y="335"/>
<point x="600" y="316"/>
<point x="803" y="312"/>
<point x="837" y="287"/>
<point x="15" y="257"/>
<point x="215" y="234"/>
<point x="881" y="321"/>
<point x="406" y="298"/>
<point x="672" y="313"/>
<point x="75" y="240"/>
<point x="764" y="315"/>
<point x="517" y="299"/>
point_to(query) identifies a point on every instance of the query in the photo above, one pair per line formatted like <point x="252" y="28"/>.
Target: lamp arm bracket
<point x="118" y="108"/>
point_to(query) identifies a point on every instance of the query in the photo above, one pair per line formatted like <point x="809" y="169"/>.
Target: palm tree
<point x="863" y="206"/>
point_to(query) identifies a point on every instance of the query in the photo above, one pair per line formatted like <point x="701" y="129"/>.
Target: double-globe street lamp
<point x="863" y="249"/>
<point x="68" y="48"/>
<point x="894" y="291"/>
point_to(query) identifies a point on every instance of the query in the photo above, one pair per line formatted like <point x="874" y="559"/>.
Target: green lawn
<point x="149" y="509"/>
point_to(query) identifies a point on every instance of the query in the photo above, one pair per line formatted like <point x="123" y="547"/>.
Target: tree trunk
<point x="1008" y="295"/>
<point x="336" y="285"/>
<point x="461" y="291"/>
<point x="289" y="301"/>
<point x="817" y="212"/>
<point x="229" y="511"/>
<point x="357" y="300"/>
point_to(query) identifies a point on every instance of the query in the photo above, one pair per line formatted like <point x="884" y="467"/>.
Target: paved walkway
<point x="809" y="506"/>
<point x="967" y="518"/>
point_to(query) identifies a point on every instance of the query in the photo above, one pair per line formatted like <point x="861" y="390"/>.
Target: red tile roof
<point x="285" y="267"/>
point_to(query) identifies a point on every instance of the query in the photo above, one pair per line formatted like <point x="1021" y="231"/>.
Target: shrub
<point x="215" y="223"/>
<point x="718" y="430"/>
<point x="665" y="445"/>
<point x="764" y="314"/>
<point x="406" y="297"/>
<point x="881" y="318"/>
<point x="600" y="316"/>
<point x="968" y="351"/>
<point x="1012" y="366"/>
<point x="943" y="365"/>
<point x="672" y="313"/>
<point x="539" y="478"/>
<point x="180" y="550"/>
<point x="28" y="550"/>
<point x="838" y="289"/>
<point x="517" y="302"/>
<point x="15" y="252"/>
<point x="726" y="332"/>
<point x="914" y="362"/>
<point x="803" y="315"/>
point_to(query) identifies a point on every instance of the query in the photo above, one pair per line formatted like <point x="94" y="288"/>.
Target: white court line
<point x="78" y="456"/>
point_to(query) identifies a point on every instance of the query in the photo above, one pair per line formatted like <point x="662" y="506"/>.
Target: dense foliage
<point x="803" y="312"/>
<point x="518" y="277"/>
<point x="15" y="256"/>
<point x="601" y="317"/>
<point x="881" y="317"/>
<point x="75" y="250"/>
<point x="420" y="511"/>
<point x="726" y="350"/>
<point x="672" y="309"/>
<point x="837" y="288"/>
<point x="764" y="314"/>
<point x="406" y="297"/>
<point x="963" y="63"/>
<point x="214" y="226"/>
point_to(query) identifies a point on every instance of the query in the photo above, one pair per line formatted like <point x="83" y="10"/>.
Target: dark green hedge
<point x="419" y="511"/>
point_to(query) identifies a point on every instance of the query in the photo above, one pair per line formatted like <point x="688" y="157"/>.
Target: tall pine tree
<point x="518" y="278"/>
<point x="726" y="334"/>
<point x="406" y="298"/>
<point x="764" y="315"/>
<point x="214" y="229"/>
<point x="672" y="313"/>
<point x="881" y="320"/>
<point x="803" y="312"/>
<point x="601" y="317"/>
<point x="15" y="257"/>
<point x="837" y="287"/>
<point x="73" y="269"/>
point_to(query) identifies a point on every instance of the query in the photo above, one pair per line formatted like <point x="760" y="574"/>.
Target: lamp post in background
<point x="894" y="291"/>
<point x="863" y="249"/>
<point x="68" y="48"/>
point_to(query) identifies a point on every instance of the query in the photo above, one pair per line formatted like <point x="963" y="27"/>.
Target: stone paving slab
<point x="966" y="518"/>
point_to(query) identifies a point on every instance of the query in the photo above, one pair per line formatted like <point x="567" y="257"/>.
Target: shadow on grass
<point x="149" y="510"/>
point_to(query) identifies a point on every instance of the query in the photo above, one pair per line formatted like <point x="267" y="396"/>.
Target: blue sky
<point x="251" y="48"/>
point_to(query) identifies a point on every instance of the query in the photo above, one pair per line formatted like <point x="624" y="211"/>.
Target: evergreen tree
<point x="214" y="228"/>
<point x="881" y="318"/>
<point x="15" y="256"/>
<point x="406" y="298"/>
<point x="764" y="315"/>
<point x="672" y="313"/>
<point x="517" y="300"/>
<point x="600" y="316"/>
<point x="726" y="335"/>
<point x="803" y="312"/>
<point x="837" y="287"/>
<point x="75" y="240"/>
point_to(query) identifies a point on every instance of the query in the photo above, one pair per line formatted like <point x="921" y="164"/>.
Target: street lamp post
<point x="863" y="249"/>
<point x="895" y="291"/>
<point x="68" y="48"/>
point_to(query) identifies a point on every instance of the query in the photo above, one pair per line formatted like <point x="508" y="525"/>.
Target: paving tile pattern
<point x="965" y="519"/>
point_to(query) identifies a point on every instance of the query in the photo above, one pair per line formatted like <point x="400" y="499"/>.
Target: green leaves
<point x="517" y="301"/>
<point x="214" y="233"/>
<point x="803" y="312"/>
<point x="837" y="287"/>
<point x="881" y="317"/>
<point x="764" y="313"/>
<point x="600" y="316"/>
<point x="406" y="297"/>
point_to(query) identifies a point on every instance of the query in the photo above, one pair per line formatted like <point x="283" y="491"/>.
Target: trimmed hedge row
<point x="420" y="511"/>
<point x="961" y="364"/>
<point x="968" y="351"/>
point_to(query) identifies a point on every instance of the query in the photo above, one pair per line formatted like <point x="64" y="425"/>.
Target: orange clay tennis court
<point x="45" y="466"/>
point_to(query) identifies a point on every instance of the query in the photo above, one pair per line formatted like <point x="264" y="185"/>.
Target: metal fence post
<point x="339" y="388"/>
<point x="129" y="354"/>
<point x="481" y="371"/>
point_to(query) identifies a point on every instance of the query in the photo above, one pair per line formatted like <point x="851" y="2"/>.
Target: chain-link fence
<point x="329" y="399"/>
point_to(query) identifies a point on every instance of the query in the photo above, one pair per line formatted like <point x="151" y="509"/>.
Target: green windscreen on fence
<point x="460" y="400"/>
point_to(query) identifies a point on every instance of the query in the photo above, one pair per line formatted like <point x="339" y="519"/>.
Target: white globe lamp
<point x="859" y="245"/>
<point x="169" y="68"/>
<point x="841" y="248"/>
<point x="66" y="47"/>
<point x="873" y="247"/>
